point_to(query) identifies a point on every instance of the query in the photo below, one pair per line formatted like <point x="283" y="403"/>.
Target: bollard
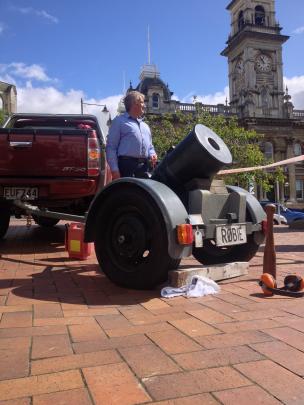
<point x="269" y="260"/>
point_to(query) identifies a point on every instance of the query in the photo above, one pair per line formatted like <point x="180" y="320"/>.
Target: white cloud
<point x="23" y="71"/>
<point x="39" y="13"/>
<point x="43" y="13"/>
<point x="295" y="87"/>
<point x="217" y="98"/>
<point x="2" y="27"/>
<point x="294" y="84"/>
<point x="52" y="101"/>
<point x="299" y="30"/>
<point x="34" y="71"/>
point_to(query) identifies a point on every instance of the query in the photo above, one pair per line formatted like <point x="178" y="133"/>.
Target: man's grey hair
<point x="132" y="97"/>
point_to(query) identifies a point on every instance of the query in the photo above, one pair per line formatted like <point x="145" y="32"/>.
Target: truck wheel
<point x="4" y="220"/>
<point x="131" y="242"/>
<point x="212" y="254"/>
<point x="44" y="221"/>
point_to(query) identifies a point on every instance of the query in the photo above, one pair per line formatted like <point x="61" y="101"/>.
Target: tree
<point x="169" y="129"/>
<point x="2" y="117"/>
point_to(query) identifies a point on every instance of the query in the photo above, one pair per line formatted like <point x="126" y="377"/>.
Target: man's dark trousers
<point x="131" y="166"/>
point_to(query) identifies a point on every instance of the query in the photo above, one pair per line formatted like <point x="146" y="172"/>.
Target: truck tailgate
<point x="43" y="152"/>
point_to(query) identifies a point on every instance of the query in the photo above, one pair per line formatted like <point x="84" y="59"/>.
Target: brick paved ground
<point x="69" y="336"/>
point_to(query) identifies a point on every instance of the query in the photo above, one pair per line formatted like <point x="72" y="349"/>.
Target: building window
<point x="155" y="100"/>
<point x="265" y="98"/>
<point x="297" y="149"/>
<point x="1" y="103"/>
<point x="300" y="189"/>
<point x="241" y="21"/>
<point x="268" y="151"/>
<point x="259" y="16"/>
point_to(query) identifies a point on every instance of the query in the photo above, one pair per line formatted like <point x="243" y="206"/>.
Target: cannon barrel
<point x="198" y="156"/>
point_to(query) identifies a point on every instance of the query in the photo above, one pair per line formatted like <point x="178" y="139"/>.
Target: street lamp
<point x="82" y="103"/>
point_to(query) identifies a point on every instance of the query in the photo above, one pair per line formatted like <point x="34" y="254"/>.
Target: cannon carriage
<point x="142" y="228"/>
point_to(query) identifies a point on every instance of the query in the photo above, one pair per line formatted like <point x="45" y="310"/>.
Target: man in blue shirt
<point x="129" y="143"/>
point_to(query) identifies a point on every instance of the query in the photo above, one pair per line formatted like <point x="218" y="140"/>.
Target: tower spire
<point x="149" y="47"/>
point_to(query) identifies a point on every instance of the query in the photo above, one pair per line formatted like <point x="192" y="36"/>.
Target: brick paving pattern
<point x="69" y="336"/>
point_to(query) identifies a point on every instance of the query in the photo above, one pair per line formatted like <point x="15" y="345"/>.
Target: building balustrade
<point x="298" y="113"/>
<point x="205" y="108"/>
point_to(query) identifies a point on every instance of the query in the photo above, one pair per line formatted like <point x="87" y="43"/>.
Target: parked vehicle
<point x="54" y="161"/>
<point x="289" y="215"/>
<point x="279" y="220"/>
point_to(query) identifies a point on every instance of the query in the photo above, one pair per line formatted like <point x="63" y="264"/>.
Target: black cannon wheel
<point x="4" y="219"/>
<point x="45" y="222"/>
<point x="131" y="240"/>
<point x="212" y="254"/>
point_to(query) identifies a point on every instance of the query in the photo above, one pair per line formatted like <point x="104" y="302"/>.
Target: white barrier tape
<point x="251" y="169"/>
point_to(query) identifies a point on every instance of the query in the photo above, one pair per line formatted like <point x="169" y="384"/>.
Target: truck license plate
<point x="20" y="193"/>
<point x="234" y="234"/>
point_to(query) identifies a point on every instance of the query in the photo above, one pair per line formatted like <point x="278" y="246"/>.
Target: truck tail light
<point x="93" y="155"/>
<point x="264" y="227"/>
<point x="184" y="234"/>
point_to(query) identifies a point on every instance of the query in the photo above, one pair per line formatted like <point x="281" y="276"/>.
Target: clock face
<point x="239" y="67"/>
<point x="263" y="63"/>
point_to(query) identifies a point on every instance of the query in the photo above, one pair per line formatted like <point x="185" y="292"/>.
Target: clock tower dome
<point x="254" y="52"/>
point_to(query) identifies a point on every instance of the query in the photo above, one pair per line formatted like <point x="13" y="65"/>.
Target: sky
<point x="59" y="51"/>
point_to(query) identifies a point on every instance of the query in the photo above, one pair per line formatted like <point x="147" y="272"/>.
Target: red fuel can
<point x="74" y="243"/>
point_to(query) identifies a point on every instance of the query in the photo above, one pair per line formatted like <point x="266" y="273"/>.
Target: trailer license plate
<point x="234" y="234"/>
<point x="20" y="193"/>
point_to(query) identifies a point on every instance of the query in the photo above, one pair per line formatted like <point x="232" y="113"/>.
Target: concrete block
<point x="216" y="272"/>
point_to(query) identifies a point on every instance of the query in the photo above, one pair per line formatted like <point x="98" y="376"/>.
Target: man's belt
<point x="135" y="159"/>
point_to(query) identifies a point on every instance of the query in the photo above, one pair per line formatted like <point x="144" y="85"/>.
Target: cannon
<point x="142" y="228"/>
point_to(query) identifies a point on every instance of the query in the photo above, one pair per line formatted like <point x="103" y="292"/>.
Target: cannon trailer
<point x="142" y="228"/>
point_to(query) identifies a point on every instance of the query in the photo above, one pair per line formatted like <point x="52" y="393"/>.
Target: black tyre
<point x="45" y="222"/>
<point x="212" y="254"/>
<point x="4" y="219"/>
<point x="131" y="240"/>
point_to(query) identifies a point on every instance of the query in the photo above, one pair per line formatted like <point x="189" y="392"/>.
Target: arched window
<point x="241" y="21"/>
<point x="259" y="16"/>
<point x="1" y="103"/>
<point x="268" y="151"/>
<point x="155" y="100"/>
<point x="297" y="149"/>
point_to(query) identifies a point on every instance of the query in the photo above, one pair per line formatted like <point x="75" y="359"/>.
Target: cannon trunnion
<point x="137" y="224"/>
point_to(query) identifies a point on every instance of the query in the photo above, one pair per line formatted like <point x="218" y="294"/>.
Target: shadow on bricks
<point x="77" y="284"/>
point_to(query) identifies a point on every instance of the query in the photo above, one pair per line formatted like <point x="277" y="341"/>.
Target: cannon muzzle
<point x="198" y="156"/>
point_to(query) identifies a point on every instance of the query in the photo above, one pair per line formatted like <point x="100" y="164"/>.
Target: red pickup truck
<point x="56" y="162"/>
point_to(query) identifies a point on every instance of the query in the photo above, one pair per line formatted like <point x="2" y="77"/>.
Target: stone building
<point x="158" y="97"/>
<point x="257" y="94"/>
<point x="8" y="98"/>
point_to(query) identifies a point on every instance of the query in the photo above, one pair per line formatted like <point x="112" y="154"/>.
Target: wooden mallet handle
<point x="269" y="260"/>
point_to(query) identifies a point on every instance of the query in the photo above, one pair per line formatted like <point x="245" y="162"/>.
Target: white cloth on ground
<point x="198" y="286"/>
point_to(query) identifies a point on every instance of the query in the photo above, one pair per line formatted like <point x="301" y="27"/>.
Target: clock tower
<point x="254" y="52"/>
